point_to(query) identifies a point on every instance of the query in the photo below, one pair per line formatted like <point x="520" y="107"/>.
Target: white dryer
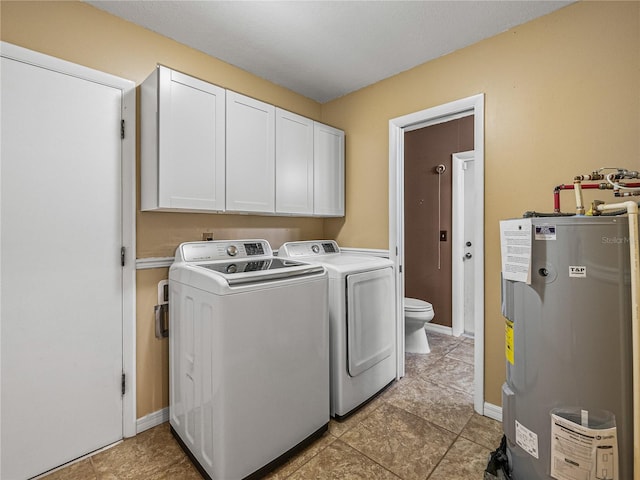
<point x="362" y="321"/>
<point x="248" y="358"/>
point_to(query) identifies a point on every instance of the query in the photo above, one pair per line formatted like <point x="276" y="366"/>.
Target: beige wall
<point x="561" y="93"/>
<point x="562" y="97"/>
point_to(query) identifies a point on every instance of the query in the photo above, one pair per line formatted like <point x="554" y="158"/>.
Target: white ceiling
<point x="326" y="49"/>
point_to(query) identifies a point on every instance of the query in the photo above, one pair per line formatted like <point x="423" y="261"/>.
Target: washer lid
<point x="327" y="253"/>
<point x="230" y="263"/>
<point x="416" y="305"/>
<point x="255" y="271"/>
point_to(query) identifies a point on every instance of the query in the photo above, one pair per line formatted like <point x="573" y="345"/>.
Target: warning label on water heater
<point x="508" y="341"/>
<point x="527" y="440"/>
<point x="580" y="452"/>
<point x="515" y="247"/>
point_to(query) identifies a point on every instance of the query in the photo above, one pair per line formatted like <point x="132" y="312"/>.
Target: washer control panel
<point x="222" y="249"/>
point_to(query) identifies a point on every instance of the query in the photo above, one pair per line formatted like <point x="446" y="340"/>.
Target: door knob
<point x="468" y="244"/>
<point x="467" y="255"/>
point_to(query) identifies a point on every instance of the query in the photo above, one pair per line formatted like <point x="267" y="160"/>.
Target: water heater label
<point x="545" y="232"/>
<point x="508" y="341"/>
<point x="578" y="451"/>
<point x="527" y="440"/>
<point x="577" y="271"/>
<point x="515" y="248"/>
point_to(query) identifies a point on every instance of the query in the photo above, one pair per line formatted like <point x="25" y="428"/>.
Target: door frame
<point x="128" y="192"/>
<point x="473" y="105"/>
<point x="457" y="250"/>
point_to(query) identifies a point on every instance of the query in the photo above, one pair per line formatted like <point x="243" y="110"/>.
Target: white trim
<point x="38" y="59"/>
<point x="165" y="262"/>
<point x="366" y="251"/>
<point x="492" y="411"/>
<point x="436" y="120"/>
<point x="458" y="248"/>
<point x="397" y="127"/>
<point x="154" y="262"/>
<point x="152" y="420"/>
<point x="434" y="327"/>
<point x="129" y="270"/>
<point x="128" y="206"/>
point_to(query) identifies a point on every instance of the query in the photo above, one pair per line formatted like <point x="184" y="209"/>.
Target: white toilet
<point x="417" y="313"/>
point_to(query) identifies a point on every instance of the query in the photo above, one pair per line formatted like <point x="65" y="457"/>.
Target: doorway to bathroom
<point x="428" y="215"/>
<point x="468" y="113"/>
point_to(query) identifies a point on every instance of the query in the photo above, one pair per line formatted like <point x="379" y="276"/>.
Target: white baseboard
<point x="152" y="420"/>
<point x="434" y="327"/>
<point x="493" y="411"/>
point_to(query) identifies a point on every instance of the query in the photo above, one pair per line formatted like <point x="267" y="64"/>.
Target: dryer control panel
<point x="309" y="248"/>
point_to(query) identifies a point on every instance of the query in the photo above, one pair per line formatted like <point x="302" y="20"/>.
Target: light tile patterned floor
<point x="422" y="428"/>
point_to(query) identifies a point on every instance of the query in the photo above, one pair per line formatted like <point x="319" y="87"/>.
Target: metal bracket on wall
<point x="162" y="310"/>
<point x="162" y="320"/>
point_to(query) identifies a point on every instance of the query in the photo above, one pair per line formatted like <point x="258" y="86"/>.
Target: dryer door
<point x="370" y="320"/>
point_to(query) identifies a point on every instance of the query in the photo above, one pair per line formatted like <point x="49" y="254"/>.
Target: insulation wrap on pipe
<point x="632" y="211"/>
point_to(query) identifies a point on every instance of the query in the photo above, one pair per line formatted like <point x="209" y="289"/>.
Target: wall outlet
<point x="207" y="236"/>
<point x="163" y="292"/>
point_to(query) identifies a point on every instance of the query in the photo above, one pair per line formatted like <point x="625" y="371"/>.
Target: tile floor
<point x="423" y="427"/>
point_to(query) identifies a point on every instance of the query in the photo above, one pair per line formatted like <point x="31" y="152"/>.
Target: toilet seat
<point x="416" y="305"/>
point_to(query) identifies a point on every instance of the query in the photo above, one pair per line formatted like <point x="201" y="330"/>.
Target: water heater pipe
<point x="585" y="186"/>
<point x="556" y="192"/>
<point x="634" y="251"/>
<point x="577" y="188"/>
<point x="633" y="187"/>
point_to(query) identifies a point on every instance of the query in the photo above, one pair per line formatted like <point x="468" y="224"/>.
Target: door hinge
<point x="124" y="382"/>
<point x="123" y="251"/>
<point x="122" y="129"/>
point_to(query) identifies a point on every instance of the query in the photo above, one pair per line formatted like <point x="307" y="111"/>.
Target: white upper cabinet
<point x="294" y="164"/>
<point x="328" y="171"/>
<point x="250" y="155"/>
<point x="207" y="149"/>
<point x="182" y="143"/>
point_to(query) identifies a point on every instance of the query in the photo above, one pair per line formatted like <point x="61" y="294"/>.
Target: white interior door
<point x="61" y="274"/>
<point x="463" y="251"/>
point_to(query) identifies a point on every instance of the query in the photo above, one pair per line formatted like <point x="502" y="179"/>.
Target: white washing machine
<point x="362" y="321"/>
<point x="249" y="356"/>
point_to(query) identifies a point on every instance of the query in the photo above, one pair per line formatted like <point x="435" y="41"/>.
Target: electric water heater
<point x="566" y="296"/>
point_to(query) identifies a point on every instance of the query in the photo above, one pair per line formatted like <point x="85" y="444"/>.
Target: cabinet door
<point x="250" y="155"/>
<point x="294" y="163"/>
<point x="328" y="168"/>
<point x="191" y="143"/>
